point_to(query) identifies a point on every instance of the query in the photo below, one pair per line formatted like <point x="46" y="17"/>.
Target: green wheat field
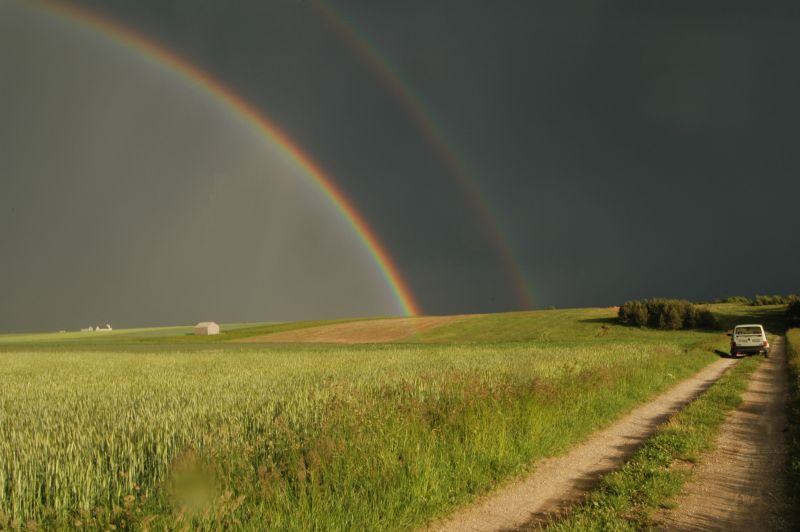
<point x="155" y="428"/>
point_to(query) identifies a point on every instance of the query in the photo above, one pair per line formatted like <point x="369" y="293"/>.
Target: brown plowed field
<point x="360" y="332"/>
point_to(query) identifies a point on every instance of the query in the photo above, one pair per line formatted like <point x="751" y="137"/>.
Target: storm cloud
<point x="626" y="149"/>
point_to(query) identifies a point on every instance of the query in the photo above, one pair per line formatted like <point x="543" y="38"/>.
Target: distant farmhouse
<point x="206" y="328"/>
<point x="96" y="328"/>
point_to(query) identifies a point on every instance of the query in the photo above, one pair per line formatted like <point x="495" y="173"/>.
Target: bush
<point x="633" y="313"/>
<point x="666" y="314"/>
<point x="670" y="319"/>
<point x="793" y="313"/>
<point x="706" y="320"/>
<point x="691" y="317"/>
<point x="737" y="299"/>
<point x="760" y="301"/>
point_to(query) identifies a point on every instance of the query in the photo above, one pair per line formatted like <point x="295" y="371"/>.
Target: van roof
<point x="750" y="325"/>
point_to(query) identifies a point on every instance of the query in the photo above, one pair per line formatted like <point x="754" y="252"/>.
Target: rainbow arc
<point x="423" y="118"/>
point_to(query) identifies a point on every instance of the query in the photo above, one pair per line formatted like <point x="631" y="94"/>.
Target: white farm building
<point x="205" y="328"/>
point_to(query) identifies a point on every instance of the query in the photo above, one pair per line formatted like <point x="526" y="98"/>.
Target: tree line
<point x="667" y="314"/>
<point x="760" y="300"/>
<point x="676" y="314"/>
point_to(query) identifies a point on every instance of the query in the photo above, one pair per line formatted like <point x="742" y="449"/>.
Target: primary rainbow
<point x="261" y="123"/>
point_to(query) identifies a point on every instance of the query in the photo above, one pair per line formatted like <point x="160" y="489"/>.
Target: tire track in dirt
<point x="558" y="483"/>
<point x="743" y="484"/>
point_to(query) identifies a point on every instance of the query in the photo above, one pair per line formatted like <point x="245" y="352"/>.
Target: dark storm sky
<point x="628" y="149"/>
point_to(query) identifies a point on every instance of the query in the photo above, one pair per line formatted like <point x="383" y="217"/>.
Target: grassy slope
<point x="593" y="324"/>
<point x="771" y="316"/>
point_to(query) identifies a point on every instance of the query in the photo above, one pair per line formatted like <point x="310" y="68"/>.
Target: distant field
<point x="598" y="324"/>
<point x="161" y="335"/>
<point x="154" y="431"/>
<point x="116" y="335"/>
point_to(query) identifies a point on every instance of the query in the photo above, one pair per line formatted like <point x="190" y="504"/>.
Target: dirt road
<point x="559" y="482"/>
<point x="742" y="485"/>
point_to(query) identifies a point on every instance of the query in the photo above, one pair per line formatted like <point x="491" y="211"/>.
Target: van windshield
<point x="748" y="330"/>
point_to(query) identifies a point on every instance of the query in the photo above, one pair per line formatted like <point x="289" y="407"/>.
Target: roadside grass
<point x="626" y="498"/>
<point x="379" y="437"/>
<point x="793" y="354"/>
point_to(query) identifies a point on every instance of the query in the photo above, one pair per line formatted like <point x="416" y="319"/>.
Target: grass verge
<point x="625" y="498"/>
<point x="793" y="354"/>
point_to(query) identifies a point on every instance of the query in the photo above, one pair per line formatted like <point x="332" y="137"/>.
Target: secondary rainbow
<point x="434" y="134"/>
<point x="261" y="123"/>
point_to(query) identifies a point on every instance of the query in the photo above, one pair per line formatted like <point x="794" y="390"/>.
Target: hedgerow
<point x="666" y="314"/>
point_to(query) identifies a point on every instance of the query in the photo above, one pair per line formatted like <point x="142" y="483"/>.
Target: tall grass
<point x="793" y="356"/>
<point x="318" y="438"/>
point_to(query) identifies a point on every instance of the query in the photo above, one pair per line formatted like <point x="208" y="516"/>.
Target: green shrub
<point x="741" y="300"/>
<point x="706" y="319"/>
<point x="667" y="313"/>
<point x="634" y="313"/>
<point x="691" y="317"/>
<point x="760" y="300"/>
<point x="774" y="300"/>
<point x="671" y="314"/>
<point x="793" y="313"/>
<point x="671" y="318"/>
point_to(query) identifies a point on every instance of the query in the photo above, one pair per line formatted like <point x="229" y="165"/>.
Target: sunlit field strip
<point x="115" y="334"/>
<point x="377" y="437"/>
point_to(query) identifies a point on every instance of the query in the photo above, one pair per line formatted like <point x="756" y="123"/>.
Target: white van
<point x="749" y="339"/>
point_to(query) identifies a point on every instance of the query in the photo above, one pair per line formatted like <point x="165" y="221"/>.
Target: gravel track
<point x="743" y="483"/>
